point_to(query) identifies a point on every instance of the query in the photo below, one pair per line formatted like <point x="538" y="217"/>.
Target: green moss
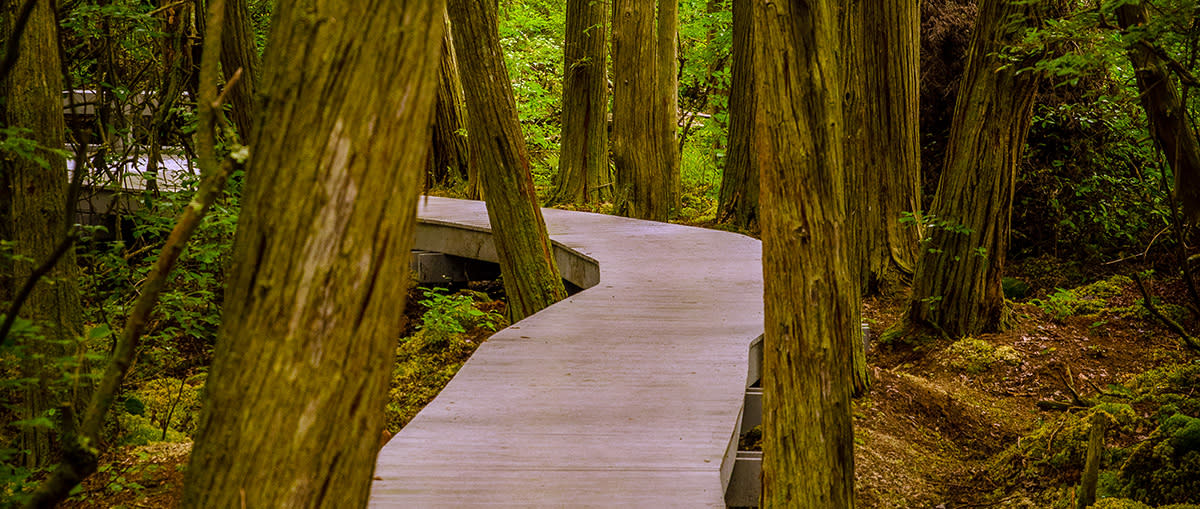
<point x="976" y="356"/>
<point x="1119" y="503"/>
<point x="1091" y="299"/>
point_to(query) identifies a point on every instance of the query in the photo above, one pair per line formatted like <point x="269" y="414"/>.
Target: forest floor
<point x="998" y="420"/>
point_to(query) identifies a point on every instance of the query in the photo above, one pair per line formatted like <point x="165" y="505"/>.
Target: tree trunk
<point x="531" y="278"/>
<point x="449" y="157"/>
<point x="956" y="288"/>
<point x="738" y="200"/>
<point x="808" y="439"/>
<point x="668" y="96"/>
<point x="643" y="185"/>
<point x="881" y="67"/>
<point x="35" y="199"/>
<point x="238" y="51"/>
<point x="584" y="175"/>
<point x="301" y="367"/>
<point x="1165" y="113"/>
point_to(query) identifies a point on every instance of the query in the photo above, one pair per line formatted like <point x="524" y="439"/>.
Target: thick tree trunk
<point x="668" y="96"/>
<point x="1165" y="113"/>
<point x="957" y="284"/>
<point x="584" y="175"/>
<point x="737" y="203"/>
<point x="239" y="52"/>
<point x="531" y="278"/>
<point x="448" y="160"/>
<point x="808" y="439"/>
<point x="643" y="184"/>
<point x="881" y="67"/>
<point x="301" y="367"/>
<point x="35" y="199"/>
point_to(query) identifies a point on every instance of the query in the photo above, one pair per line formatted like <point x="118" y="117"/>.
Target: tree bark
<point x="737" y="203"/>
<point x="667" y="47"/>
<point x="448" y="159"/>
<point x="1165" y="113"/>
<point x="643" y="184"/>
<point x="956" y="288"/>
<point x="238" y="51"/>
<point x="881" y="67"/>
<point x="808" y="439"/>
<point x="301" y="366"/>
<point x="35" y="198"/>
<point x="531" y="278"/>
<point x="584" y="175"/>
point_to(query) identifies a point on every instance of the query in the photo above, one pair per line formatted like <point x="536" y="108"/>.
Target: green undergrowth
<point x="1152" y="453"/>
<point x="450" y="329"/>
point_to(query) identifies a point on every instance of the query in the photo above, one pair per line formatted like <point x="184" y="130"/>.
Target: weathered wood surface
<point x="627" y="394"/>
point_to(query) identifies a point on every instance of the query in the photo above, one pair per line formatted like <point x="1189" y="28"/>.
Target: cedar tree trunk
<point x="643" y="184"/>
<point x="1165" y="113"/>
<point x="34" y="199"/>
<point x="448" y="159"/>
<point x="956" y="288"/>
<point x="238" y="51"/>
<point x="808" y="439"/>
<point x="738" y="200"/>
<point x="300" y="372"/>
<point x="668" y="96"/>
<point x="531" y="278"/>
<point x="584" y="175"/>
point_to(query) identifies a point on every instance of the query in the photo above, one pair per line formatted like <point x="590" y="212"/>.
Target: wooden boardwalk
<point x="627" y="394"/>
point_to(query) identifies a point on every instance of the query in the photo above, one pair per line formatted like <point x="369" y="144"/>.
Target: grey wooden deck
<point x="627" y="394"/>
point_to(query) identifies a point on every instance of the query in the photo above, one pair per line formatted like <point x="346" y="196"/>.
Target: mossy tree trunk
<point x="584" y="174"/>
<point x="531" y="278"/>
<point x="956" y="288"/>
<point x="238" y="51"/>
<point x="300" y="372"/>
<point x="808" y="439"/>
<point x="448" y="160"/>
<point x="33" y="201"/>
<point x="737" y="203"/>
<point x="643" y="184"/>
<point x="1165" y="111"/>
<point x="667" y="47"/>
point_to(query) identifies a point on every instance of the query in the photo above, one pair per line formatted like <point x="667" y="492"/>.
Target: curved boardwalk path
<point x="627" y="394"/>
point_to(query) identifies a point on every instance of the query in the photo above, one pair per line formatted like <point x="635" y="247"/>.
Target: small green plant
<point x="447" y="315"/>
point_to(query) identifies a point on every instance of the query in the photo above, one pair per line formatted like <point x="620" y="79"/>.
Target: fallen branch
<point x="1148" y="303"/>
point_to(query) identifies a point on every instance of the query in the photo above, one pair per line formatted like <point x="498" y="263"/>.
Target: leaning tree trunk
<point x="956" y="288"/>
<point x="808" y="440"/>
<point x="300" y="372"/>
<point x="583" y="171"/>
<point x="668" y="96"/>
<point x="737" y="203"/>
<point x="238" y="51"/>
<point x="643" y="185"/>
<point x="1165" y="113"/>
<point x="448" y="160"/>
<point x="34" y="199"/>
<point x="531" y="278"/>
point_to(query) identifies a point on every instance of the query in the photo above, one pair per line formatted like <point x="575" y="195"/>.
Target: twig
<point x="1174" y="326"/>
